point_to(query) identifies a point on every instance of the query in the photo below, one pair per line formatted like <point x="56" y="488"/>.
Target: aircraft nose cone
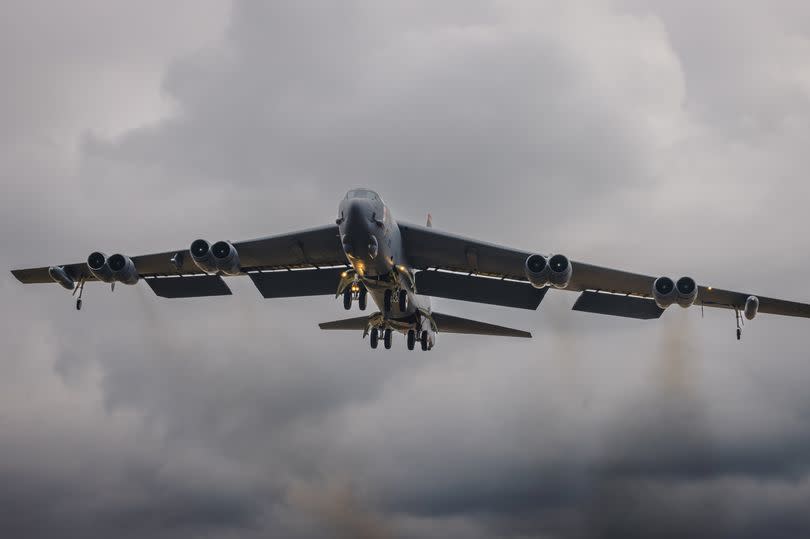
<point x="357" y="217"/>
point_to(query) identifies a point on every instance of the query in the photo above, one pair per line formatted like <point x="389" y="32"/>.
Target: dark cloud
<point x="645" y="135"/>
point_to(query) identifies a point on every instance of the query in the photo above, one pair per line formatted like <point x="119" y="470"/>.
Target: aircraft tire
<point x="387" y="339"/>
<point x="347" y="298"/>
<point x="362" y="298"/>
<point x="387" y="301"/>
<point x="424" y="341"/>
<point x="411" y="339"/>
<point x="403" y="300"/>
<point x="374" y="337"/>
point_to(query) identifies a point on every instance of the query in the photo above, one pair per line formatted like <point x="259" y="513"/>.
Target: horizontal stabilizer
<point x="618" y="305"/>
<point x="359" y="323"/>
<point x="288" y="284"/>
<point x="453" y="324"/>
<point x="442" y="284"/>
<point x="189" y="287"/>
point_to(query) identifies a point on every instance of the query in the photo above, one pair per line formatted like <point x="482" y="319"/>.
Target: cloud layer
<point x="643" y="135"/>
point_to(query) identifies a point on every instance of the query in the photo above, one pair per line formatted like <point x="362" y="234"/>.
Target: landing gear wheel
<point x="374" y="337"/>
<point x="411" y="339"/>
<point x="739" y="334"/>
<point x="387" y="339"/>
<point x="424" y="340"/>
<point x="362" y="298"/>
<point x="403" y="301"/>
<point x="347" y="298"/>
<point x="78" y="304"/>
<point x="387" y="301"/>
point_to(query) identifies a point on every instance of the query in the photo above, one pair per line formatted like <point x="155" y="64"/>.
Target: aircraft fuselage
<point x="373" y="246"/>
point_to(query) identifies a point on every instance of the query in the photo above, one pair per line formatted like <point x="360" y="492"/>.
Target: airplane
<point x="366" y="252"/>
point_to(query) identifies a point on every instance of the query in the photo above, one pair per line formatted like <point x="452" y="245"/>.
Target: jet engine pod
<point x="58" y="274"/>
<point x="687" y="291"/>
<point x="560" y="268"/>
<point x="537" y="270"/>
<point x="664" y="292"/>
<point x="226" y="258"/>
<point x="751" y="307"/>
<point x="202" y="256"/>
<point x="123" y="269"/>
<point x="98" y="266"/>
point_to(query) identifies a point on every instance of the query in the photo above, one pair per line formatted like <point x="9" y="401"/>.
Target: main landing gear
<point x="402" y="300"/>
<point x="374" y="337"/>
<point x="387" y="338"/>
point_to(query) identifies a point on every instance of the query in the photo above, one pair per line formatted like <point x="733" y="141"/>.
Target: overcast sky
<point x="662" y="137"/>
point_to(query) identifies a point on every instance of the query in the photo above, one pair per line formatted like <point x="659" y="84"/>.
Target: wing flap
<point x="288" y="284"/>
<point x="188" y="287"/>
<point x="446" y="323"/>
<point x="615" y="305"/>
<point x="479" y="289"/>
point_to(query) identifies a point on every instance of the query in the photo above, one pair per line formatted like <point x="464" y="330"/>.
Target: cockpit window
<point x="363" y="193"/>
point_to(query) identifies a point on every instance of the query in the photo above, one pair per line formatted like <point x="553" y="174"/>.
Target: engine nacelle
<point x="751" y="307"/>
<point x="203" y="257"/>
<point x="123" y="269"/>
<point x="98" y="266"/>
<point x="537" y="270"/>
<point x="664" y="292"/>
<point x="59" y="275"/>
<point x="226" y="258"/>
<point x="561" y="271"/>
<point x="687" y="291"/>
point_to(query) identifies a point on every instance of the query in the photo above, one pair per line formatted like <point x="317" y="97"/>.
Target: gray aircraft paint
<point x="363" y="215"/>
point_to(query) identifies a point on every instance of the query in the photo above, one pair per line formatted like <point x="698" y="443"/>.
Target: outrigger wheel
<point x="374" y="337"/>
<point x="403" y="300"/>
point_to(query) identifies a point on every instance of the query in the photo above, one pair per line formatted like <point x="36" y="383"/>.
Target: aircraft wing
<point x="431" y="249"/>
<point x="314" y="249"/>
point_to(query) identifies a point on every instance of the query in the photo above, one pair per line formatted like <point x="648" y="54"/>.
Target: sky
<point x="668" y="138"/>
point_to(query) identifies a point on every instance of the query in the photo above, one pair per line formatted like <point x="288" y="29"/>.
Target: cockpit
<point x="363" y="193"/>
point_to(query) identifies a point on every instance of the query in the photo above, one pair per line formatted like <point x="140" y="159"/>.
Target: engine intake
<point x="537" y="270"/>
<point x="541" y="271"/>
<point x="226" y="258"/>
<point x="687" y="291"/>
<point x="664" y="292"/>
<point x="560" y="271"/>
<point x="98" y="266"/>
<point x="123" y="269"/>
<point x="202" y="256"/>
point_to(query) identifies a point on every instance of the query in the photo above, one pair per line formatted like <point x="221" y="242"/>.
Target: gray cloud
<point x="643" y="135"/>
